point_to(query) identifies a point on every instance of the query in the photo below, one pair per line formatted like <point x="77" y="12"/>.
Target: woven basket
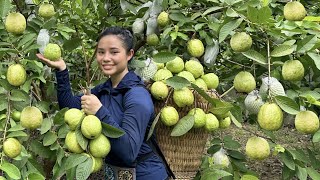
<point x="182" y="153"/>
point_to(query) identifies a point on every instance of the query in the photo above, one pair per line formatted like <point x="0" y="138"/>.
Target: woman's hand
<point x="60" y="64"/>
<point x="90" y="104"/>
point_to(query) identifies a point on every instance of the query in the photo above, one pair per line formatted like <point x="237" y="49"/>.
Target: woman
<point x="122" y="102"/>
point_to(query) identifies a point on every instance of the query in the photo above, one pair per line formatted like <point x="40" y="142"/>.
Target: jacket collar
<point x="127" y="82"/>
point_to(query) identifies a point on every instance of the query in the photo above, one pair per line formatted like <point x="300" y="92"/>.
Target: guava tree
<point x="265" y="60"/>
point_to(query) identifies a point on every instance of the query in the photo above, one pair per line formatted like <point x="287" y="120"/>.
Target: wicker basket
<point x="182" y="153"/>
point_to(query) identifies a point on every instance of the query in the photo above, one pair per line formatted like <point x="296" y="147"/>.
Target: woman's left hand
<point x="90" y="104"/>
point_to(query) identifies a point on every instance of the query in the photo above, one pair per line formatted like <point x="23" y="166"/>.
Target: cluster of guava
<point x="91" y="129"/>
<point x="260" y="102"/>
<point x="29" y="118"/>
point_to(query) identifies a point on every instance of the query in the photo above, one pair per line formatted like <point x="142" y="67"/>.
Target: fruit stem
<point x="6" y="125"/>
<point x="36" y="91"/>
<point x="17" y="5"/>
<point x="169" y="94"/>
<point x="225" y="93"/>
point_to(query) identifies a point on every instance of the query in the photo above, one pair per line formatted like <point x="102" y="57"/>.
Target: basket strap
<point x="156" y="149"/>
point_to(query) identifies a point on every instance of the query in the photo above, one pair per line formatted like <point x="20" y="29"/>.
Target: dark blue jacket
<point x="128" y="107"/>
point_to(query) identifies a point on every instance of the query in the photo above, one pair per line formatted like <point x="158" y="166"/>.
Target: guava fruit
<point x="212" y="123"/>
<point x="148" y="71"/>
<point x="16" y="75"/>
<point x="52" y="52"/>
<point x="159" y="90"/>
<point x="292" y="70"/>
<point x="163" y="19"/>
<point x="162" y="75"/>
<point x="306" y="122"/>
<point x="73" y="117"/>
<point x="138" y="26"/>
<point x="257" y="148"/>
<point x="240" y="42"/>
<point x="194" y="67"/>
<point x="46" y="10"/>
<point x="211" y="79"/>
<point x="253" y="102"/>
<point x="72" y="143"/>
<point x="15" y="23"/>
<point x="273" y="85"/>
<point x="176" y="65"/>
<point x="294" y="11"/>
<point x="11" y="147"/>
<point x="91" y="127"/>
<point x="169" y="116"/>
<point x="152" y="39"/>
<point x="100" y="147"/>
<point x="187" y="75"/>
<point x="224" y="123"/>
<point x="183" y="97"/>
<point x="199" y="117"/>
<point x="220" y="158"/>
<point x="244" y="82"/>
<point x="16" y="115"/>
<point x="270" y="117"/>
<point x="201" y="84"/>
<point x="195" y="47"/>
<point x="31" y="118"/>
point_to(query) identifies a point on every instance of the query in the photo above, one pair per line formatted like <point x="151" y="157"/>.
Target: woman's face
<point x="112" y="56"/>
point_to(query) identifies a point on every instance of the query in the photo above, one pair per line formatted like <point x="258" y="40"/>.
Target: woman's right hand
<point x="60" y="65"/>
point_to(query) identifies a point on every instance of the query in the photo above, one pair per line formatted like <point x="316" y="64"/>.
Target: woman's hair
<point x="124" y="34"/>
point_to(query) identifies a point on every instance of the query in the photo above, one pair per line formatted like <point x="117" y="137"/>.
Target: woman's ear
<point x="130" y="55"/>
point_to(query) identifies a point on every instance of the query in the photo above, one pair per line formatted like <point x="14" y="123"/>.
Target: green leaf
<point x="221" y="108"/>
<point x="313" y="173"/>
<point x="301" y="173"/>
<point x="43" y="106"/>
<point x="49" y="138"/>
<point x="229" y="143"/>
<point x="227" y="28"/>
<point x="84" y="169"/>
<point x="49" y="24"/>
<point x="111" y="131"/>
<point x="17" y="134"/>
<point x="19" y="95"/>
<point x="27" y="38"/>
<point x="163" y="57"/>
<point x="3" y="102"/>
<point x="315" y="57"/>
<point x="82" y="141"/>
<point x="306" y="43"/>
<point x="63" y="131"/>
<point x="235" y="121"/>
<point x="4" y="7"/>
<point x="210" y="10"/>
<point x="287" y="159"/>
<point x="5" y="84"/>
<point x="59" y="117"/>
<point x="154" y="123"/>
<point x="74" y="160"/>
<point x="282" y="50"/>
<point x="11" y="170"/>
<point x="183" y="126"/>
<point x="312" y="18"/>
<point x="17" y="127"/>
<point x="313" y="160"/>
<point x="41" y="150"/>
<point x="214" y="148"/>
<point x="287" y="104"/>
<point x="71" y="44"/>
<point x="316" y="137"/>
<point x="209" y="174"/>
<point x="177" y="82"/>
<point x="45" y="126"/>
<point x="255" y="56"/>
<point x="36" y="176"/>
<point x="262" y="15"/>
<point x="236" y="155"/>
<point x="298" y="154"/>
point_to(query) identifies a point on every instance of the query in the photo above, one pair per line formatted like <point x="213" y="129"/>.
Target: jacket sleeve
<point x="138" y="108"/>
<point x="64" y="92"/>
